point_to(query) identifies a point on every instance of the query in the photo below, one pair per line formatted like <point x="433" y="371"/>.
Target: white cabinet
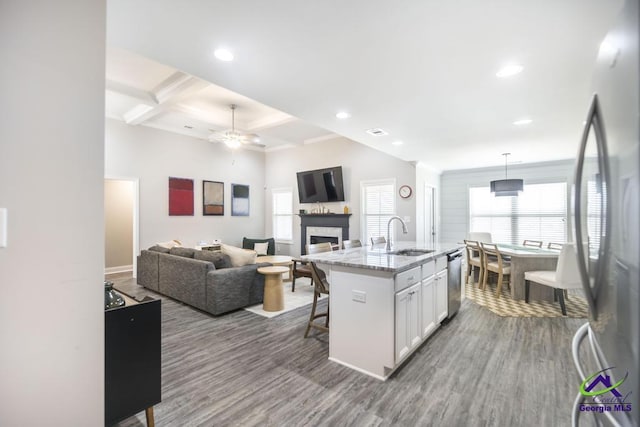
<point x="407" y="319"/>
<point x="429" y="323"/>
<point x="441" y="296"/>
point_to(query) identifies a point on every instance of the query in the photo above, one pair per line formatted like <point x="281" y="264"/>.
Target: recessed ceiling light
<point x="509" y="70"/>
<point x="343" y="115"/>
<point x="223" y="55"/>
<point x="522" y="122"/>
<point x="377" y="132"/>
<point x="397" y="143"/>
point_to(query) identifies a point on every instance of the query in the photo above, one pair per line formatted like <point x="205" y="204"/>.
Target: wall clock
<point x="405" y="191"/>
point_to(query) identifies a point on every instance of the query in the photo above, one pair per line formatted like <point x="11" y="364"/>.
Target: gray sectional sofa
<point x="203" y="279"/>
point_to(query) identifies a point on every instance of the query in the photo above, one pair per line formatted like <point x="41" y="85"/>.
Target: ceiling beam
<point x="270" y="121"/>
<point x="172" y="90"/>
<point x="321" y="138"/>
<point x="142" y="96"/>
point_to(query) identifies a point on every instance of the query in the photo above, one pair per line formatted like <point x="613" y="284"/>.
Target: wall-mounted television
<point x="321" y="185"/>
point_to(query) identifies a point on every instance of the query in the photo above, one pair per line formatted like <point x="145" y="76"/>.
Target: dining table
<point x="528" y="258"/>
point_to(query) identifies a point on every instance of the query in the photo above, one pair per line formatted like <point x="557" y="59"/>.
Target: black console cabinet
<point x="132" y="360"/>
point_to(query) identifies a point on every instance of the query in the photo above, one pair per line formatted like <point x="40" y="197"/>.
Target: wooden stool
<point x="273" y="292"/>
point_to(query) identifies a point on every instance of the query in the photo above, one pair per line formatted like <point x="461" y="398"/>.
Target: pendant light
<point x="506" y="187"/>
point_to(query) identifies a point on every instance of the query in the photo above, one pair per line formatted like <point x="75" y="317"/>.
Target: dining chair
<point x="532" y="243"/>
<point x="494" y="261"/>
<point x="348" y="244"/>
<point x="474" y="259"/>
<point x="320" y="286"/>
<point x="566" y="276"/>
<point x="377" y="240"/>
<point x="301" y="267"/>
<point x="555" y="246"/>
<point x="480" y="236"/>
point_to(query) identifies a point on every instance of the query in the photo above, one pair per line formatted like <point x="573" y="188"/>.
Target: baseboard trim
<point x="118" y="269"/>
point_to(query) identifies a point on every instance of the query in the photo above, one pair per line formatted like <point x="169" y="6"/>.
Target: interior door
<point x="592" y="225"/>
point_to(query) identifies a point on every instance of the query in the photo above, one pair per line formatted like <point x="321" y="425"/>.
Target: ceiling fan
<point x="234" y="138"/>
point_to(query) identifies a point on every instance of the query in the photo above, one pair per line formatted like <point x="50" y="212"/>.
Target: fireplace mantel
<point x="322" y="220"/>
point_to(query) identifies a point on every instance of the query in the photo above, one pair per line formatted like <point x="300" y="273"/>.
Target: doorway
<point x="121" y="225"/>
<point x="429" y="210"/>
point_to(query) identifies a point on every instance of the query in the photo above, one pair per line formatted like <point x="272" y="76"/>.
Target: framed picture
<point x="239" y="200"/>
<point x="180" y="196"/>
<point x="212" y="198"/>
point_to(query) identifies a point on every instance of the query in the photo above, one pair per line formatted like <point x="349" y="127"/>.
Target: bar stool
<point x="301" y="268"/>
<point x="320" y="286"/>
<point x="378" y="240"/>
<point x="348" y="244"/>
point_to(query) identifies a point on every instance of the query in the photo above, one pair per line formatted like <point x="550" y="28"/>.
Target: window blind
<point x="283" y="214"/>
<point x="378" y="206"/>
<point x="538" y="213"/>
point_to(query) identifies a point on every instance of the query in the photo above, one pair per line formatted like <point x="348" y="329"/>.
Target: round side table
<point x="273" y="292"/>
<point x="280" y="260"/>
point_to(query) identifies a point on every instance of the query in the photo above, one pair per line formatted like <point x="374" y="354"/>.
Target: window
<point x="282" y="214"/>
<point x="539" y="213"/>
<point x="378" y="205"/>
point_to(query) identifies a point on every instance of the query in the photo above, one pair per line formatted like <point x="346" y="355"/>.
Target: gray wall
<point x="51" y="182"/>
<point x="358" y="162"/>
<point x="154" y="155"/>
<point x="118" y="224"/>
<point x="455" y="190"/>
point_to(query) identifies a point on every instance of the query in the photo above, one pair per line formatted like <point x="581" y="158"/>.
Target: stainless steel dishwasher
<point x="454" y="279"/>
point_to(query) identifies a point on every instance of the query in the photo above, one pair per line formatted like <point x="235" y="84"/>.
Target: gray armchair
<point x="249" y="243"/>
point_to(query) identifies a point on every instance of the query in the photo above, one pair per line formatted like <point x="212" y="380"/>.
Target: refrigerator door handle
<point x="594" y="119"/>
<point x="577" y="209"/>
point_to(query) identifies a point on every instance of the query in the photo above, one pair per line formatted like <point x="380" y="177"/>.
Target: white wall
<point x="154" y="155"/>
<point x="358" y="162"/>
<point x="455" y="190"/>
<point x="426" y="176"/>
<point x="118" y="223"/>
<point x="51" y="181"/>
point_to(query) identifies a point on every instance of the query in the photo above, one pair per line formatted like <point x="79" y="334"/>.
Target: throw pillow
<point x="185" y="252"/>
<point x="238" y="256"/>
<point x="218" y="259"/>
<point x="261" y="248"/>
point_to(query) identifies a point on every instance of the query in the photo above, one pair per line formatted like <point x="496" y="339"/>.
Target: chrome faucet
<point x="404" y="230"/>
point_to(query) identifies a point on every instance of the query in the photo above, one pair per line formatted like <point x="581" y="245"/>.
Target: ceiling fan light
<point x="232" y="143"/>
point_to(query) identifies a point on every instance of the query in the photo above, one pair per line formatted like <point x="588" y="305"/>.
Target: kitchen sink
<point x="411" y="252"/>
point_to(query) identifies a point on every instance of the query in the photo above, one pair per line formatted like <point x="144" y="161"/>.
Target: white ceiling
<point x="144" y="92"/>
<point x="422" y="70"/>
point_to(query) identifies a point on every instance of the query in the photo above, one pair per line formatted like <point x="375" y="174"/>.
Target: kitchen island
<point x="384" y="304"/>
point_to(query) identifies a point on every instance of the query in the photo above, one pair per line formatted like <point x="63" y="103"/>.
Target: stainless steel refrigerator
<point x="606" y="225"/>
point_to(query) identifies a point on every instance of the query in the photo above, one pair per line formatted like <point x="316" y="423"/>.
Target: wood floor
<point x="241" y="369"/>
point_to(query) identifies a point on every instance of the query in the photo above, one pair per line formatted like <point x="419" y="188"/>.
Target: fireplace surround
<point x="324" y="226"/>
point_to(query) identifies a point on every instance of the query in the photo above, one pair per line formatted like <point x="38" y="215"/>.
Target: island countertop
<point x="376" y="257"/>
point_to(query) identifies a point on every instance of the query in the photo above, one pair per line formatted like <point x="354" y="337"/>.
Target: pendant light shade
<point x="506" y="187"/>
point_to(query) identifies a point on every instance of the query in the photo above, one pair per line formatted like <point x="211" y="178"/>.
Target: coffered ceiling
<point x="424" y="71"/>
<point x="140" y="91"/>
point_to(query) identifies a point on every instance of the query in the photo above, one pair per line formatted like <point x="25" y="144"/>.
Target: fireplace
<point x="319" y="228"/>
<point x="324" y="239"/>
<point x="332" y="235"/>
